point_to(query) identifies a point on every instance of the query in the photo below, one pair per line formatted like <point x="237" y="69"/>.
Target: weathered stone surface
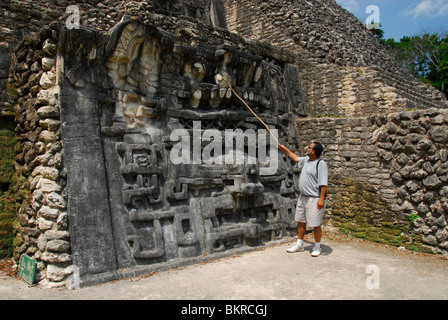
<point x="47" y="186"/>
<point x="48" y="63"/>
<point x="48" y="213"/>
<point x="48" y="112"/>
<point x="56" y="201"/>
<point x="47" y="80"/>
<point x="96" y="112"/>
<point x="46" y="172"/>
<point x="439" y="135"/>
<point x="410" y="185"/>
<point x="44" y="224"/>
<point x="49" y="97"/>
<point x="182" y="206"/>
<point x="57" y="274"/>
<point x="432" y="182"/>
<point x="56" y="258"/>
<point x="57" y="235"/>
<point x="58" y="245"/>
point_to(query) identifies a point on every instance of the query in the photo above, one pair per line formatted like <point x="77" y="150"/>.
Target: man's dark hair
<point x="318" y="148"/>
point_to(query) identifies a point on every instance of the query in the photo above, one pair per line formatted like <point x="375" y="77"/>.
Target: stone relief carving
<point x="186" y="210"/>
<point x="227" y="194"/>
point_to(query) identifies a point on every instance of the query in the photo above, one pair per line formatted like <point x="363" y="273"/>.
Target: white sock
<point x="300" y="242"/>
<point x="317" y="245"/>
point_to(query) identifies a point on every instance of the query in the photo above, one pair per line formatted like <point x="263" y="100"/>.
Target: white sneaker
<point x="316" y="252"/>
<point x="295" y="248"/>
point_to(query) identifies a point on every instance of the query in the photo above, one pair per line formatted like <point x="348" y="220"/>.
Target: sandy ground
<point x="347" y="269"/>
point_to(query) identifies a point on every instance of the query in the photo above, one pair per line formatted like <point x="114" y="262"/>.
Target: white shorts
<point x="306" y="211"/>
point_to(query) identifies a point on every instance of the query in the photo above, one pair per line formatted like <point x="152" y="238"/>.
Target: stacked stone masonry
<point x="388" y="171"/>
<point x="20" y="19"/>
<point x="110" y="104"/>
<point x="112" y="92"/>
<point x="327" y="37"/>
<point x="43" y="231"/>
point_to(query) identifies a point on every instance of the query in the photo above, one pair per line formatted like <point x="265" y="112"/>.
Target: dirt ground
<point x="348" y="268"/>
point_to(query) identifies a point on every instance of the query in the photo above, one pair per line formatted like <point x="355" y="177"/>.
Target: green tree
<point x="402" y="51"/>
<point x="377" y="32"/>
<point x="438" y="70"/>
<point x="425" y="56"/>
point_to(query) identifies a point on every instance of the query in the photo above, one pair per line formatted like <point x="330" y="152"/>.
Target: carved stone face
<point x="162" y="95"/>
<point x="192" y="87"/>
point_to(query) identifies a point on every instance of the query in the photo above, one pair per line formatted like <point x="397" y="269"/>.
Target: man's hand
<point x="321" y="204"/>
<point x="288" y="152"/>
<point x="282" y="148"/>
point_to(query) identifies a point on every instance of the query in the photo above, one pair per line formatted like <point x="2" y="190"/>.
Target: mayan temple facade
<point x="138" y="157"/>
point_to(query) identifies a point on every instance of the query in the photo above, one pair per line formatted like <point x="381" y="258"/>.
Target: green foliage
<point x="7" y="143"/>
<point x="323" y="115"/>
<point x="413" y="217"/>
<point x="8" y="198"/>
<point x="425" y="56"/>
<point x="377" y="32"/>
<point x="8" y="209"/>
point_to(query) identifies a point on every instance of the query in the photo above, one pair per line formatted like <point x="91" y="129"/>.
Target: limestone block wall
<point x="346" y="74"/>
<point x="344" y="68"/>
<point x="350" y="92"/>
<point x="112" y="97"/>
<point x="43" y="219"/>
<point x="20" y="19"/>
<point x="96" y="113"/>
<point x="330" y="43"/>
<point x="388" y="176"/>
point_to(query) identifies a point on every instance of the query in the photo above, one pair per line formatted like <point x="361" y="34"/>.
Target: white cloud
<point x="350" y="5"/>
<point x="428" y="8"/>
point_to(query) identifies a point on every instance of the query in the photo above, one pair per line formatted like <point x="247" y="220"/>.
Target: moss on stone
<point x="8" y="204"/>
<point x="359" y="212"/>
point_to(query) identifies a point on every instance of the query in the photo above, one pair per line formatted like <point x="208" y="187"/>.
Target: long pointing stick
<point x="219" y="78"/>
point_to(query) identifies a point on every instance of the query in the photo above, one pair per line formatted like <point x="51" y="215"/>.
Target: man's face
<point x="310" y="150"/>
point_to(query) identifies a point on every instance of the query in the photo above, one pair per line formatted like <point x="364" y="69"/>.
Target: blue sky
<point x="400" y="18"/>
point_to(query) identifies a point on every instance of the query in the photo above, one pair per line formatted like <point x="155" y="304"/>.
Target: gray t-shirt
<point x="309" y="182"/>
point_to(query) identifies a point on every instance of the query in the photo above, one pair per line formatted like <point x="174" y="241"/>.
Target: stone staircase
<point x="418" y="94"/>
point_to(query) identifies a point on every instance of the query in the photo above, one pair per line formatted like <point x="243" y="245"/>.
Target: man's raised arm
<point x="290" y="154"/>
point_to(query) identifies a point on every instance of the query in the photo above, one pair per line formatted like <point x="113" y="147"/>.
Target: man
<point x="313" y="189"/>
